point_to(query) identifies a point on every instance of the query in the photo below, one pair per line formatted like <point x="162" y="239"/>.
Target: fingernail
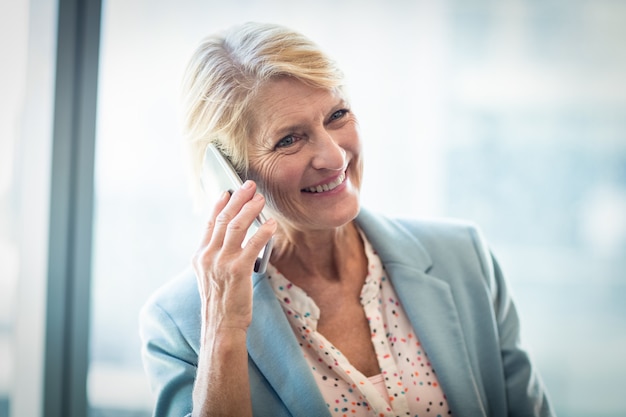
<point x="247" y="184"/>
<point x="257" y="197"/>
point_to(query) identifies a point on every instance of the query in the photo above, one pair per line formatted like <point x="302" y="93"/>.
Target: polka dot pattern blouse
<point x="407" y="384"/>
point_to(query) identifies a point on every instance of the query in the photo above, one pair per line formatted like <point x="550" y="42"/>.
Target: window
<point x="510" y="114"/>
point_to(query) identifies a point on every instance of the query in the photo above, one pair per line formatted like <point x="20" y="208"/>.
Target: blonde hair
<point x="224" y="74"/>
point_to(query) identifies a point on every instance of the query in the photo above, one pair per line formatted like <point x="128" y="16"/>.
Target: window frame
<point x="71" y="209"/>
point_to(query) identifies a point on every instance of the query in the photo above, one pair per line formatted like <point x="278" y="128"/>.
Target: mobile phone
<point x="218" y="175"/>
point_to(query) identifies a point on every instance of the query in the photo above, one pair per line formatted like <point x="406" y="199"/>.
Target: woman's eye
<point x="286" y="141"/>
<point x="338" y="114"/>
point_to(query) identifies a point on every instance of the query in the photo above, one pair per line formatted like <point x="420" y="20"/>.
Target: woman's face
<point x="305" y="154"/>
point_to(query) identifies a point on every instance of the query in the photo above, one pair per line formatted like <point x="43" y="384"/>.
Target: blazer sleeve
<point x="169" y="362"/>
<point x="526" y="395"/>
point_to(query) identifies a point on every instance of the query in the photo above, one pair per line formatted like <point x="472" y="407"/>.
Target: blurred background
<point x="508" y="113"/>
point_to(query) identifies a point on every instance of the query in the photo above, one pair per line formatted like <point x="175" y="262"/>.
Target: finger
<point x="210" y="225"/>
<point x="234" y="206"/>
<point x="237" y="229"/>
<point x="259" y="240"/>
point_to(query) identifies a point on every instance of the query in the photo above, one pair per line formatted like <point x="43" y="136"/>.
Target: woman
<point x="356" y="314"/>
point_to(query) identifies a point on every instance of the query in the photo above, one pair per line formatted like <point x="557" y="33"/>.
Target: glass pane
<point x="13" y="25"/>
<point x="26" y="45"/>
<point x="510" y="114"/>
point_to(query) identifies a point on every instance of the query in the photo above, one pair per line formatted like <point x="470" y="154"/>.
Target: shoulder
<point x="448" y="248"/>
<point x="445" y="237"/>
<point x="430" y="230"/>
<point x="175" y="305"/>
<point x="176" y="293"/>
<point x="437" y="236"/>
<point x="437" y="231"/>
<point x="170" y="332"/>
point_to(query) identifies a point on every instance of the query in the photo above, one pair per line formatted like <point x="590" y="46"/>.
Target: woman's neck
<point x="328" y="255"/>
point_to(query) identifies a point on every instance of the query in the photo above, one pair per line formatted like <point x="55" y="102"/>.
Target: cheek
<point x="353" y="146"/>
<point x="276" y="182"/>
<point x="357" y="172"/>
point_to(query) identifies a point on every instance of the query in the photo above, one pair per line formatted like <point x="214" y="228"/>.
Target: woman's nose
<point x="329" y="154"/>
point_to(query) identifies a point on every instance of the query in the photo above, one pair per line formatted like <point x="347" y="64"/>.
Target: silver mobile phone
<point x="218" y="175"/>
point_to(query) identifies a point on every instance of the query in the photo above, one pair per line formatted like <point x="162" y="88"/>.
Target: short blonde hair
<point x="224" y="75"/>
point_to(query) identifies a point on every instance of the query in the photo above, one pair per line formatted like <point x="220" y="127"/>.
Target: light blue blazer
<point x="453" y="293"/>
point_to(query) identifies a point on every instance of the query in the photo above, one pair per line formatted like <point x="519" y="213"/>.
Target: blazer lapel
<point x="429" y="303"/>
<point x="274" y="349"/>
<point x="431" y="309"/>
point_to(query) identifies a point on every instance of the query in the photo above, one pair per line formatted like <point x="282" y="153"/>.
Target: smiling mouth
<point x="326" y="187"/>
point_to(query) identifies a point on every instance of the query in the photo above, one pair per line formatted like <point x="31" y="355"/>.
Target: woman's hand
<point x="223" y="268"/>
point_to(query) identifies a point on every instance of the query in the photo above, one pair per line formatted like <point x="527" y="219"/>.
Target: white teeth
<point x="327" y="187"/>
